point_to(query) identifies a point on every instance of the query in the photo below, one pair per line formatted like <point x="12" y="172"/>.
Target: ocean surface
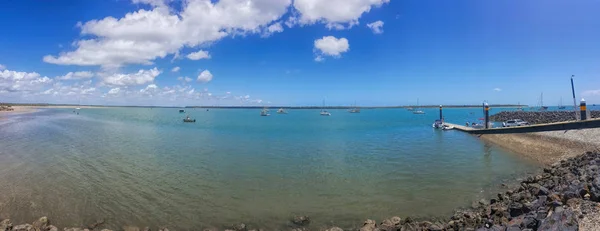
<point x="145" y="167"/>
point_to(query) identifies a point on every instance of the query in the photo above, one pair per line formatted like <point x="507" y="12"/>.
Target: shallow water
<point x="145" y="167"/>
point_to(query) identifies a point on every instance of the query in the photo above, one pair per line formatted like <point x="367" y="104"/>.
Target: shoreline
<point x="548" y="147"/>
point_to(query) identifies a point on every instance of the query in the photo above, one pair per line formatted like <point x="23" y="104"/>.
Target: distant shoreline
<point x="257" y="107"/>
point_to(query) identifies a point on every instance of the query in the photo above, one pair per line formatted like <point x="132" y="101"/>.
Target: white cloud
<point x="114" y="91"/>
<point x="139" y="78"/>
<point x="185" y="79"/>
<point x="198" y="55"/>
<point x="273" y="28"/>
<point x="336" y="14"/>
<point x="15" y="81"/>
<point x="497" y="89"/>
<point x="142" y="36"/>
<point x="76" y="75"/>
<point x="591" y="93"/>
<point x="376" y="27"/>
<point x="2" y="67"/>
<point x="175" y="69"/>
<point x="330" y="46"/>
<point x="205" y="76"/>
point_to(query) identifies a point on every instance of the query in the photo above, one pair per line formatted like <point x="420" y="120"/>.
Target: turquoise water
<point x="145" y="167"/>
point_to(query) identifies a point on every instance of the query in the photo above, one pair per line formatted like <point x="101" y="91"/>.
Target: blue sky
<point x="284" y="52"/>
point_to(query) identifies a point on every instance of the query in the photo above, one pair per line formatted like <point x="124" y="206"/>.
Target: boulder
<point x="5" y="225"/>
<point x="392" y="222"/>
<point x="41" y="224"/>
<point x="25" y="227"/>
<point x="301" y="220"/>
<point x="51" y="228"/>
<point x="369" y="225"/>
<point x="564" y="220"/>
<point x="240" y="227"/>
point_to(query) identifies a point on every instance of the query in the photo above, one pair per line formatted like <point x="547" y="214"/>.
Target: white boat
<point x="281" y="111"/>
<point x="264" y="112"/>
<point x="418" y="111"/>
<point x="438" y="124"/>
<point x="355" y="109"/>
<point x="323" y="111"/>
<point x="447" y="127"/>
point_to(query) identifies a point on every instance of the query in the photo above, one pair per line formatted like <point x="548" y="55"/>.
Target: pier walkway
<point x="568" y="125"/>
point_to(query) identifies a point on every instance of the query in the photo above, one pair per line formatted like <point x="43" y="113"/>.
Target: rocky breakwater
<point x="564" y="196"/>
<point x="538" y="117"/>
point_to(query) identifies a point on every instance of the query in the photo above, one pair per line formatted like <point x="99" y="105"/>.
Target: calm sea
<point x="141" y="166"/>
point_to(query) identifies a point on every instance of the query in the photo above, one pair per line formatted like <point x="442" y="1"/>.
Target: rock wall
<point x="539" y="117"/>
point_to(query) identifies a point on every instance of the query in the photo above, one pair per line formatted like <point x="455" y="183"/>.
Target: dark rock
<point x="516" y="209"/>
<point x="301" y="220"/>
<point x="5" y="225"/>
<point x="564" y="221"/>
<point x="513" y="228"/>
<point x="530" y="222"/>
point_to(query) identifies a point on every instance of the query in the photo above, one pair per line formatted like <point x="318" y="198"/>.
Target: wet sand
<point x="548" y="147"/>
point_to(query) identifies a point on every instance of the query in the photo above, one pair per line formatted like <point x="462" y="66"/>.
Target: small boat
<point x="447" y="127"/>
<point x="281" y="111"/>
<point x="560" y="105"/>
<point x="264" y="112"/>
<point x="418" y="112"/>
<point x="438" y="124"/>
<point x="181" y="111"/>
<point x="410" y="109"/>
<point x="354" y="109"/>
<point x="189" y="120"/>
<point x="542" y="107"/>
<point x="323" y="111"/>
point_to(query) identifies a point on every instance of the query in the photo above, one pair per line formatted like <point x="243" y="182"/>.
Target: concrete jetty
<point x="568" y="125"/>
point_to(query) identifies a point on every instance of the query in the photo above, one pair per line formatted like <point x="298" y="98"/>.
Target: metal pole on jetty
<point x="574" y="100"/>
<point x="487" y="115"/>
<point x="583" y="109"/>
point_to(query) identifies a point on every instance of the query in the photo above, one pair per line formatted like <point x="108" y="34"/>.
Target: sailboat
<point x="354" y="109"/>
<point x="542" y="107"/>
<point x="281" y="111"/>
<point x="417" y="110"/>
<point x="323" y="111"/>
<point x="264" y="112"/>
<point x="520" y="108"/>
<point x="560" y="105"/>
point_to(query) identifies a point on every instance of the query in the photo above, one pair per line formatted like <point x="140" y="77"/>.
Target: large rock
<point x="334" y="229"/>
<point x="5" y="225"/>
<point x="369" y="225"/>
<point x="41" y="224"/>
<point x="25" y="227"/>
<point x="131" y="228"/>
<point x="301" y="220"/>
<point x="564" y="220"/>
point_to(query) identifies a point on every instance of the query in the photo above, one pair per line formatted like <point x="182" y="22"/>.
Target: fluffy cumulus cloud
<point x="198" y="55"/>
<point x="330" y="46"/>
<point x="175" y="69"/>
<point x="15" y="81"/>
<point x="205" y="76"/>
<point x="336" y="14"/>
<point x="376" y="27"/>
<point x="138" y="78"/>
<point x="76" y="75"/>
<point x="142" y="36"/>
